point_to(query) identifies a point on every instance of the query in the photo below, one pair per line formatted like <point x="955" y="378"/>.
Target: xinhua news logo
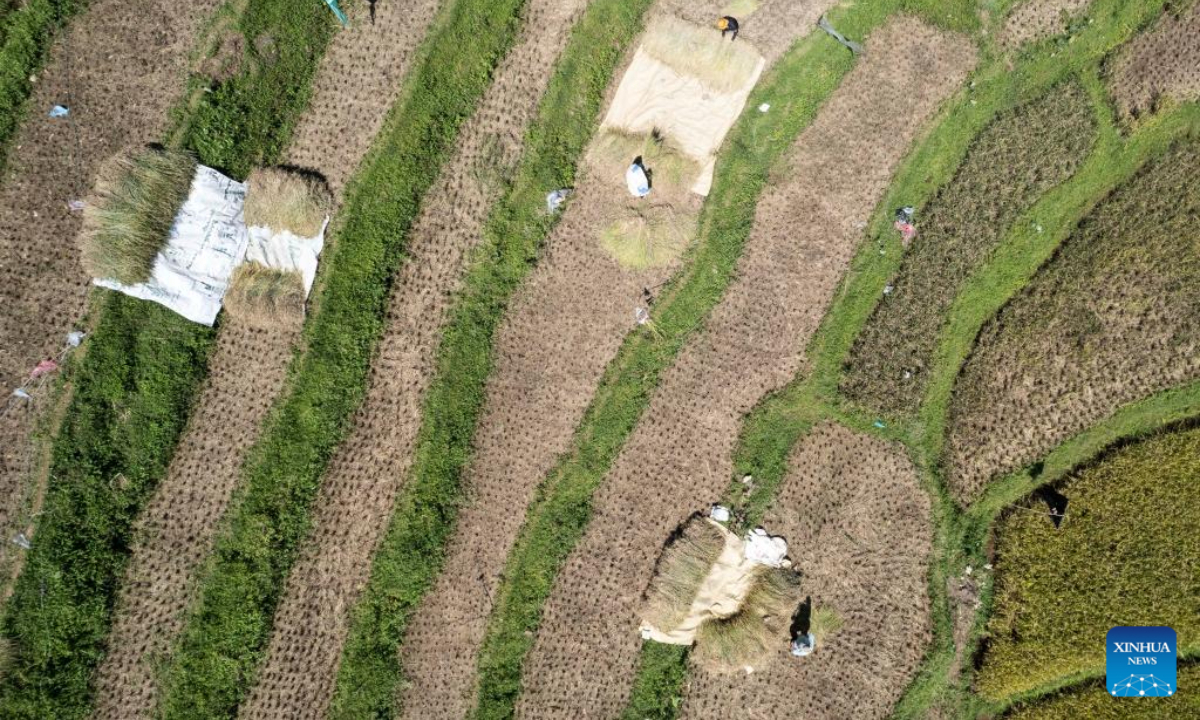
<point x="1141" y="661"/>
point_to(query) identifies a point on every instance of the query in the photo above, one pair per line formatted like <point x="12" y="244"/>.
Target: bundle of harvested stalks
<point x="266" y="297"/>
<point x="285" y="200"/>
<point x="670" y="168"/>
<point x="648" y="237"/>
<point x="699" y="52"/>
<point x="680" y="572"/>
<point x="757" y="630"/>
<point x="128" y="218"/>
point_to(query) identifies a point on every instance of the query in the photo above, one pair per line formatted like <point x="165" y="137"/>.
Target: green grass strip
<point x="133" y="392"/>
<point x="26" y="34"/>
<point x="658" y="688"/>
<point x="225" y="637"/>
<point x="412" y="550"/>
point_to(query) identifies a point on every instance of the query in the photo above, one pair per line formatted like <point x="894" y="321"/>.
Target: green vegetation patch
<point x="26" y="33"/>
<point x="132" y="398"/>
<point x="225" y="637"/>
<point x="1094" y="703"/>
<point x="1021" y="155"/>
<point x="411" y="554"/>
<point x="1128" y="553"/>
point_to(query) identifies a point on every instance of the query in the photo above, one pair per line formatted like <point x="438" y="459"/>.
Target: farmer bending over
<point x="728" y="24"/>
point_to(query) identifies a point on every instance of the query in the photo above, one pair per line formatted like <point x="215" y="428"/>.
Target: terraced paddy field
<point x="901" y="295"/>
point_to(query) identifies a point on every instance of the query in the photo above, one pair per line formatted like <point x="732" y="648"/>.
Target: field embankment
<point x="806" y="229"/>
<point x="374" y="463"/>
<point x="174" y="533"/>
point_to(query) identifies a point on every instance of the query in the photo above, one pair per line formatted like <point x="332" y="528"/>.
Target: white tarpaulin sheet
<point x="207" y="242"/>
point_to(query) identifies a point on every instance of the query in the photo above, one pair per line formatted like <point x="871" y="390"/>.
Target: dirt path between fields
<point x="678" y="459"/>
<point x="119" y="67"/>
<point x="360" y="487"/>
<point x="858" y="530"/>
<point x="361" y="73"/>
<point x="562" y="329"/>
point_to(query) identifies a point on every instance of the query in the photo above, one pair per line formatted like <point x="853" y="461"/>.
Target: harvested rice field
<point x="596" y="359"/>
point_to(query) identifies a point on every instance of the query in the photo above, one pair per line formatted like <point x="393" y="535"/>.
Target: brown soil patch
<point x="119" y="67"/>
<point x="246" y="374"/>
<point x="176" y="531"/>
<point x="859" y="532"/>
<point x="564" y="326"/>
<point x="679" y="458"/>
<point x="1158" y="67"/>
<point x="1035" y="20"/>
<point x="369" y="468"/>
<point x="1112" y="318"/>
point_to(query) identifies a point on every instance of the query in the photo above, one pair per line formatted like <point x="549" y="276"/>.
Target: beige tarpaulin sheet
<point x="695" y="116"/>
<point x="721" y="592"/>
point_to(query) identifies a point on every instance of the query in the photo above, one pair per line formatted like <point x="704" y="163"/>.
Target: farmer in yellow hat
<point x="728" y="24"/>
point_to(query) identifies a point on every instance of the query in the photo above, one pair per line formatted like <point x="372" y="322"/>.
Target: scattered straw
<point x="650" y="236"/>
<point x="284" y="200"/>
<point x="824" y="623"/>
<point x="740" y="9"/>
<point x="128" y="218"/>
<point x="700" y="52"/>
<point x="669" y="166"/>
<point x="758" y="629"/>
<point x="266" y="297"/>
<point x="681" y="570"/>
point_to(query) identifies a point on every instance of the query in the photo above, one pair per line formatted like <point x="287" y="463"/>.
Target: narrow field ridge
<point x="679" y="457"/>
<point x="359" y="489"/>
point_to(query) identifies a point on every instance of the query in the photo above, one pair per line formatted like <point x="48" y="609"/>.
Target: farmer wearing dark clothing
<point x="728" y="24"/>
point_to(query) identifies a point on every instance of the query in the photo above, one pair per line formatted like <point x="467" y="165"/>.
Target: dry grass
<point x="285" y="200"/>
<point x="740" y="8"/>
<point x="266" y="297"/>
<point x="824" y="623"/>
<point x="614" y="150"/>
<point x="648" y="237"/>
<point x="681" y="570"/>
<point x="128" y="217"/>
<point x="758" y="629"/>
<point x="701" y="53"/>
